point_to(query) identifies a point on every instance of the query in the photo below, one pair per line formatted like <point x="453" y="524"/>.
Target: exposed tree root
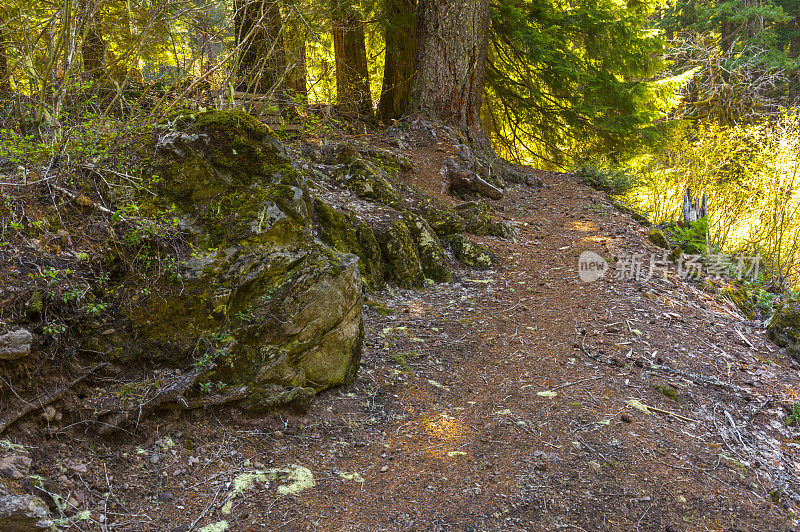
<point x="12" y="417"/>
<point x="169" y="394"/>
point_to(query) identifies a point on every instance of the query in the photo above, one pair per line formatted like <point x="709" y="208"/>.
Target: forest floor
<point x="505" y="400"/>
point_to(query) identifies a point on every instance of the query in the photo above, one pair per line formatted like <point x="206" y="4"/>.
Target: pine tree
<point x="576" y="80"/>
<point x="451" y="64"/>
<point x="262" y="60"/>
<point x="400" y="35"/>
<point x="350" y="53"/>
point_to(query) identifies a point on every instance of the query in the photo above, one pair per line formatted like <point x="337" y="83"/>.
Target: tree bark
<point x="401" y="51"/>
<point x="294" y="41"/>
<point x="262" y="59"/>
<point x="5" y="73"/>
<point x="452" y="38"/>
<point x="350" y="53"/>
<point x="93" y="50"/>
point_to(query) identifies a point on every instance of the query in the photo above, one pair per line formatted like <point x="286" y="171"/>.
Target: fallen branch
<point x="11" y="418"/>
<point x="669" y="413"/>
<point x="169" y="394"/>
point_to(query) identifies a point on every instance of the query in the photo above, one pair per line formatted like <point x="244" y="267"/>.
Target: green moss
<point x="401" y="260"/>
<point x="255" y="214"/>
<point x="784" y="327"/>
<point x="349" y="234"/>
<point x="743" y="298"/>
<point x="234" y="151"/>
<point x="658" y="238"/>
<point x="478" y="220"/>
<point x="471" y="253"/>
<point x="442" y="218"/>
<point x="429" y="249"/>
<point x="234" y="119"/>
<point x="366" y="181"/>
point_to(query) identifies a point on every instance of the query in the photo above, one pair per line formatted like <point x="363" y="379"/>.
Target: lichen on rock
<point x="478" y="218"/>
<point x="783" y="327"/>
<point x="470" y="252"/>
<point x="401" y="259"/>
<point x="429" y="250"/>
<point x="349" y="234"/>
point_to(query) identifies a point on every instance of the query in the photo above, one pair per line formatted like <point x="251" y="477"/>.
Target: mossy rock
<point x="349" y="234"/>
<point x="367" y="181"/>
<point x="471" y="253"/>
<point x="431" y="254"/>
<point x="401" y="259"/>
<point x="443" y="219"/>
<point x="228" y="171"/>
<point x="743" y="298"/>
<point x="290" y="318"/>
<point x="277" y="311"/>
<point x="658" y="238"/>
<point x="783" y="327"/>
<point x="478" y="220"/>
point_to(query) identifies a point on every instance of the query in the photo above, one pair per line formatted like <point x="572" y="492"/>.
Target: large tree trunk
<point x="5" y="73"/>
<point x="93" y="49"/>
<point x="350" y="52"/>
<point x="452" y="38"/>
<point x="262" y="59"/>
<point x="401" y="51"/>
<point x="294" y="40"/>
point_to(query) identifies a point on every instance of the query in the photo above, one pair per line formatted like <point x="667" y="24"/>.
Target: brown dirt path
<point x="445" y="426"/>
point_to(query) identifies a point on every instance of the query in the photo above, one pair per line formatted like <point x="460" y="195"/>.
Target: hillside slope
<point x="504" y="399"/>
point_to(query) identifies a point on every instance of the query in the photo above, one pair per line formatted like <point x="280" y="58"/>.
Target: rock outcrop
<point x="262" y="306"/>
<point x="784" y="327"/>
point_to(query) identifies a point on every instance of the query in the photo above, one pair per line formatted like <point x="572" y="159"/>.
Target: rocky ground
<point x="515" y="397"/>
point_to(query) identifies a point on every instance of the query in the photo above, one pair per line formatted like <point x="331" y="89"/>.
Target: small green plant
<point x="400" y="359"/>
<point x="95" y="309"/>
<point x="54" y="329"/>
<point x="693" y="238"/>
<point x="614" y="181"/>
<point x="794" y="417"/>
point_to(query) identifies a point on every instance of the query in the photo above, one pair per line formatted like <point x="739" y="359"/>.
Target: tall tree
<point x="350" y="53"/>
<point x="93" y="48"/>
<point x="262" y="59"/>
<point x="401" y="49"/>
<point x="451" y="63"/>
<point x="575" y="81"/>
<point x="5" y="73"/>
<point x="294" y="40"/>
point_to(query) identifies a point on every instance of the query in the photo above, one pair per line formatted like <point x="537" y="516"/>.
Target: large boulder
<point x="261" y="300"/>
<point x="784" y="327"/>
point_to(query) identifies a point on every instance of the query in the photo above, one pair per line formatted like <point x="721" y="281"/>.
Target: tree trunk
<point x="5" y="73"/>
<point x="452" y="38"/>
<point x="294" y="40"/>
<point x="401" y="51"/>
<point x="93" y="50"/>
<point x="262" y="59"/>
<point x="350" y="52"/>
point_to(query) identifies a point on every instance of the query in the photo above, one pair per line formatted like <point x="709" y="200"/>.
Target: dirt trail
<point x="446" y="426"/>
